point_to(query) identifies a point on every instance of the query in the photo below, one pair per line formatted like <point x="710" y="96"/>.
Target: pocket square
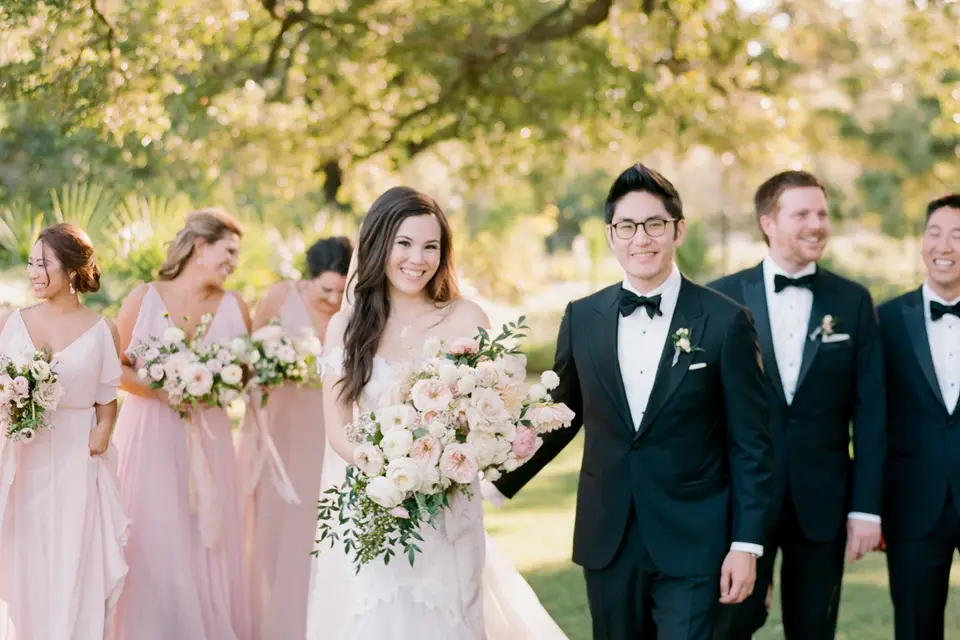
<point x="699" y="365"/>
<point x="836" y="337"/>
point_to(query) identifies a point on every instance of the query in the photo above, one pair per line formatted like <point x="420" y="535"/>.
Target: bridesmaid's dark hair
<point x="372" y="289"/>
<point x="74" y="250"/>
<point x="329" y="254"/>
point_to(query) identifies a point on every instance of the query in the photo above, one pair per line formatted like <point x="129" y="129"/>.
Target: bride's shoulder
<point x="469" y="315"/>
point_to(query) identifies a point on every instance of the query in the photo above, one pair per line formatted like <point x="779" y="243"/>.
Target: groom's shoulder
<point x="597" y="298"/>
<point x="716" y="302"/>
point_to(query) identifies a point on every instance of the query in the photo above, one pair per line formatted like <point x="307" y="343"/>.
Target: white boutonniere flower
<point x="682" y="344"/>
<point x="826" y="328"/>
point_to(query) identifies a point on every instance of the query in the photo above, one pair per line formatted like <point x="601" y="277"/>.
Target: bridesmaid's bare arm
<point x="269" y="306"/>
<point x="244" y="310"/>
<point x="4" y="316"/>
<point x="336" y="414"/>
<point x="106" y="413"/>
<point x="126" y="321"/>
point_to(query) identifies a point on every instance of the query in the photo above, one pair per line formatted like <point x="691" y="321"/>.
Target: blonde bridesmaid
<point x="63" y="526"/>
<point x="187" y="578"/>
<point x="282" y="534"/>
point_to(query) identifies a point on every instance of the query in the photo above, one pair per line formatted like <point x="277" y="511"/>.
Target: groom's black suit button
<point x="629" y="302"/>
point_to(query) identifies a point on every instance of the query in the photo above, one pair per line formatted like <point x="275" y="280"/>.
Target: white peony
<point x="537" y="392"/>
<point x="198" y="379"/>
<point x="550" y="380"/>
<point x="268" y="333"/>
<point x="152" y="353"/>
<point x="238" y="346"/>
<point x="431" y="347"/>
<point x="430" y="481"/>
<point x="514" y="365"/>
<point x="286" y="353"/>
<point x="174" y="335"/>
<point x="397" y="416"/>
<point x="156" y="372"/>
<point x="214" y="365"/>
<point x="368" y="459"/>
<point x="467" y="384"/>
<point x="449" y="373"/>
<point x="232" y="374"/>
<point x="384" y="492"/>
<point x="405" y="473"/>
<point x="396" y="444"/>
<point x="431" y="395"/>
<point x="142" y="373"/>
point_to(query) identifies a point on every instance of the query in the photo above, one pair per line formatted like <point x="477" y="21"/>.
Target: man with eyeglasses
<point x="677" y="477"/>
<point x="823" y="370"/>
<point x="921" y="518"/>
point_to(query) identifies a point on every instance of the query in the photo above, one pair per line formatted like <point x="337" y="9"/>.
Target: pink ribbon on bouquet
<point x="204" y="498"/>
<point x="263" y="452"/>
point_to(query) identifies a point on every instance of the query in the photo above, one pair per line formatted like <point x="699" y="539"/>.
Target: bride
<point x="461" y="587"/>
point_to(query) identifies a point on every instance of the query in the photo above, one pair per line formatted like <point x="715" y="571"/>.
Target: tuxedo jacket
<point x="839" y="383"/>
<point x="924" y="438"/>
<point x="698" y="471"/>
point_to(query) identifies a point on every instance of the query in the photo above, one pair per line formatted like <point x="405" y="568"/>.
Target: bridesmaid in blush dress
<point x="281" y="535"/>
<point x="187" y="578"/>
<point x="63" y="527"/>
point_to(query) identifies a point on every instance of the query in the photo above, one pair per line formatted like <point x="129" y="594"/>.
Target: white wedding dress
<point x="459" y="588"/>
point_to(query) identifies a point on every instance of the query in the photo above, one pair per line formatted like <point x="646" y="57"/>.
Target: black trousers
<point x="811" y="575"/>
<point x="631" y="599"/>
<point x="920" y="577"/>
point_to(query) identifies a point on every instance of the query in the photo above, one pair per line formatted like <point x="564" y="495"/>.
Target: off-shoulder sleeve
<point x="110" y="369"/>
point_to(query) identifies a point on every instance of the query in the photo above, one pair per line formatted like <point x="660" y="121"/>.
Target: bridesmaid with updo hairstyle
<point x="63" y="525"/>
<point x="282" y="535"/>
<point x="178" y="478"/>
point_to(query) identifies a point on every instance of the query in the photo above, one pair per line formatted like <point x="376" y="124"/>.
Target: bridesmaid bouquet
<point x="466" y="410"/>
<point x="193" y="373"/>
<point x="276" y="358"/>
<point x="29" y="387"/>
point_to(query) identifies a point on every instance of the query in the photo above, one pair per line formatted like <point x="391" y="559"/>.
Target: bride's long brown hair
<point x="371" y="292"/>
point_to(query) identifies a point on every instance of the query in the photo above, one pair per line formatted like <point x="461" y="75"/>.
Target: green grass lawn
<point x="536" y="528"/>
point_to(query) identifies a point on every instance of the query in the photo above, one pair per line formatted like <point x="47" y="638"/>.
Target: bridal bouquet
<point x="464" y="410"/>
<point x="29" y="387"/>
<point x="193" y="373"/>
<point x="277" y="358"/>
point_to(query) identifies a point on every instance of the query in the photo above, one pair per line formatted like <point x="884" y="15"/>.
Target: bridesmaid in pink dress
<point x="187" y="578"/>
<point x="63" y="527"/>
<point x="282" y="534"/>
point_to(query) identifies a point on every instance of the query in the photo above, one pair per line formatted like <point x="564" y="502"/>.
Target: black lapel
<point x="755" y="298"/>
<point x="689" y="315"/>
<point x="817" y="311"/>
<point x="916" y="323"/>
<point x="605" y="353"/>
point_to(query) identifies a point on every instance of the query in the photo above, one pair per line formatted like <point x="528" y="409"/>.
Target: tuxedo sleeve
<point x="748" y="431"/>
<point x="567" y="392"/>
<point x="869" y="415"/>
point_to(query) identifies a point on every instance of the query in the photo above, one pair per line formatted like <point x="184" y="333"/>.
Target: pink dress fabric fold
<point x="187" y="579"/>
<point x="62" y="565"/>
<point x="281" y="535"/>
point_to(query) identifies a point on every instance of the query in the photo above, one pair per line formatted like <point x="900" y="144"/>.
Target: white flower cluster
<point x="29" y="387"/>
<point x="277" y="358"/>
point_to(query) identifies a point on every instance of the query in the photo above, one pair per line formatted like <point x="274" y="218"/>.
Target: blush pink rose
<point x="459" y="464"/>
<point x="526" y="442"/>
<point x="431" y="395"/>
<point x="550" y="417"/>
<point x="464" y="346"/>
<point x="426" y="450"/>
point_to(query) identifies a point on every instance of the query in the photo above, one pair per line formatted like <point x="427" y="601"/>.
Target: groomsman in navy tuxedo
<point x="921" y="340"/>
<point x="824" y="369"/>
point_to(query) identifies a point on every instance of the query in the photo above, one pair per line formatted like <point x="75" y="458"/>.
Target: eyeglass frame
<point x="638" y="225"/>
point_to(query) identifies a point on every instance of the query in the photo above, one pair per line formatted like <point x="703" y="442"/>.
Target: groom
<point x="677" y="472"/>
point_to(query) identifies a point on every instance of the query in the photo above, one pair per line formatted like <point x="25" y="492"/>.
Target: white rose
<point x="405" y="473"/>
<point x="511" y="463"/>
<point x="431" y="347"/>
<point x="156" y="372"/>
<point x="268" y="333"/>
<point x="214" y="365"/>
<point x="142" y="373"/>
<point x="431" y="395"/>
<point x="253" y="357"/>
<point x="175" y="365"/>
<point x="384" y="492"/>
<point x="232" y="374"/>
<point x="174" y="335"/>
<point x="47" y="395"/>
<point x="449" y="373"/>
<point x="486" y="407"/>
<point x="286" y="353"/>
<point x="467" y="384"/>
<point x="152" y="353"/>
<point x="199" y="380"/>
<point x="396" y="444"/>
<point x="368" y="459"/>
<point x="550" y="380"/>
<point x="397" y="416"/>
<point x="491" y="475"/>
<point x="537" y="392"/>
<point x="238" y="346"/>
<point x="40" y="369"/>
<point x="430" y="481"/>
<point x="514" y="365"/>
<point x="683" y="344"/>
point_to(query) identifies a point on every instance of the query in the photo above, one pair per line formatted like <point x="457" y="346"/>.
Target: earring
<point x="72" y="290"/>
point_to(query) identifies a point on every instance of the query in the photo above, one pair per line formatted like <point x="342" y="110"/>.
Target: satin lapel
<point x="755" y="298"/>
<point x="689" y="315"/>
<point x="817" y="311"/>
<point x="605" y="354"/>
<point x="916" y="324"/>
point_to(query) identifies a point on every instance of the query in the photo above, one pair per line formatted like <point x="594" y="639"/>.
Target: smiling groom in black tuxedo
<point x="676" y="480"/>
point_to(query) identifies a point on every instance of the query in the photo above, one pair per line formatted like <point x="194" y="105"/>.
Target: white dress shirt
<point x="638" y="333"/>
<point x="944" y="337"/>
<point x="789" y="319"/>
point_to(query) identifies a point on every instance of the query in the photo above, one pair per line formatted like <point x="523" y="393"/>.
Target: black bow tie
<point x="781" y="282"/>
<point x="629" y="301"/>
<point x="937" y="309"/>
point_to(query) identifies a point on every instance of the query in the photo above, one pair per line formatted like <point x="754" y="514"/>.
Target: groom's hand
<point x="862" y="538"/>
<point x="737" y="576"/>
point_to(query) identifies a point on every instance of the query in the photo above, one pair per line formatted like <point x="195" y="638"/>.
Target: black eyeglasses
<point x="653" y="227"/>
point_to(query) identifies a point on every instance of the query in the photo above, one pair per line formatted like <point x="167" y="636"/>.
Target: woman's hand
<point x="99" y="439"/>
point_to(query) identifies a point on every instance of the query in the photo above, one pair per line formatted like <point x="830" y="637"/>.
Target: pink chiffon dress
<point x="62" y="564"/>
<point x="281" y="535"/>
<point x="179" y="483"/>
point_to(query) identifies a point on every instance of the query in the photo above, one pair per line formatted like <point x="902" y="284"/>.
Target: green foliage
<point x="19" y="227"/>
<point x="693" y="255"/>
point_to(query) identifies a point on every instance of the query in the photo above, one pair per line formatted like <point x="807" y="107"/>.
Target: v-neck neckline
<point x="56" y="352"/>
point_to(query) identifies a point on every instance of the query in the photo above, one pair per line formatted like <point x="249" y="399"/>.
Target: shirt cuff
<point x="754" y="549"/>
<point x="866" y="517"/>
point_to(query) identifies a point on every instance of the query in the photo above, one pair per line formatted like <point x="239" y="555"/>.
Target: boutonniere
<point x="827" y="325"/>
<point x="681" y="344"/>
